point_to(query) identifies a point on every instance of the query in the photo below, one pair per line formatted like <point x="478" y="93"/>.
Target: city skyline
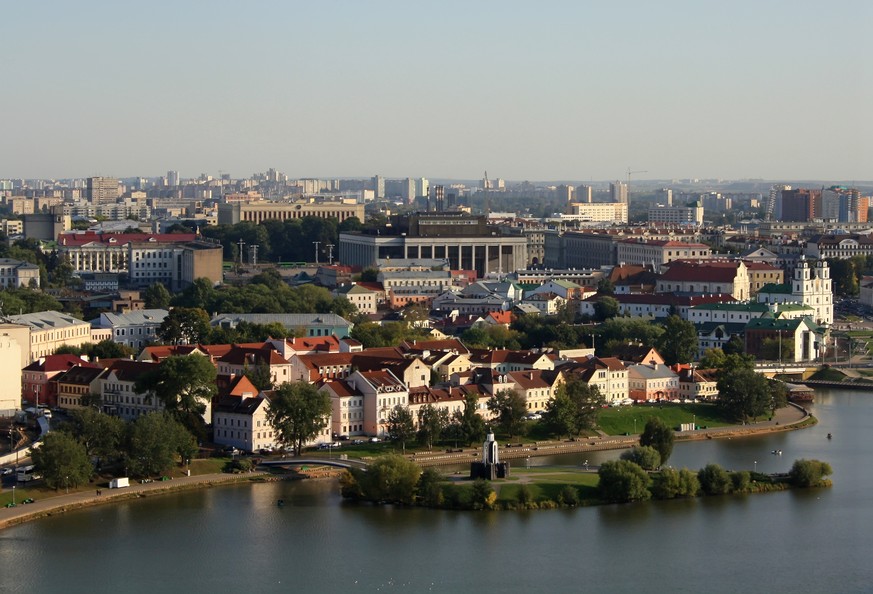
<point x="558" y="91"/>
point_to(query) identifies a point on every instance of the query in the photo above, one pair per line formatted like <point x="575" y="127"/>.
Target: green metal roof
<point x="775" y="288"/>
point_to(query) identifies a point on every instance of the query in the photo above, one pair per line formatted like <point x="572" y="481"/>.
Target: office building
<point x="618" y="192"/>
<point x="102" y="190"/>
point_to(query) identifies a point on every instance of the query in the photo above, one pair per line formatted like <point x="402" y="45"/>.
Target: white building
<point x="10" y="368"/>
<point x="135" y="329"/>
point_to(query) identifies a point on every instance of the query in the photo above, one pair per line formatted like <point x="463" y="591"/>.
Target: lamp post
<point x="67" y="484"/>
<point x="635" y="425"/>
<point x="694" y="421"/>
<point x="13" y="494"/>
<point x="756" y="466"/>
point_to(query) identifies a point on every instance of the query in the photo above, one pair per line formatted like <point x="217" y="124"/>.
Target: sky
<point x="542" y="90"/>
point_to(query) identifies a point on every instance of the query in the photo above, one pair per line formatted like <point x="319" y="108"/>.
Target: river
<point x="236" y="538"/>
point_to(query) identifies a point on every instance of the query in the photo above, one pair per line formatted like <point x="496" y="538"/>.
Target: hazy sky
<point x="525" y="90"/>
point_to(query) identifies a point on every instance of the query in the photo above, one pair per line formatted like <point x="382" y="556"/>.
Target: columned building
<point x="468" y="243"/>
<point x="265" y="210"/>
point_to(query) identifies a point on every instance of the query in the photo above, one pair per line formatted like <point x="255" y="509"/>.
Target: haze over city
<point x="554" y="90"/>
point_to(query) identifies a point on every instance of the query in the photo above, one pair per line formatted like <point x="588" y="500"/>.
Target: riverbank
<point x="786" y="419"/>
<point x="63" y="502"/>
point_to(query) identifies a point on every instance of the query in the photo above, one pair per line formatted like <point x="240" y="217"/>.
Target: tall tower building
<point x="172" y="178"/>
<point x="422" y="187"/>
<point x="102" y="190"/>
<point x="618" y="192"/>
<point x="584" y="194"/>
<point x="378" y="186"/>
<point x="409" y="190"/>
<point x="439" y="199"/>
<point x="665" y="196"/>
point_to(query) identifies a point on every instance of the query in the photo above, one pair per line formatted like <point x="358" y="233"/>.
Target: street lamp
<point x="13" y="494"/>
<point x="635" y="425"/>
<point x="756" y="466"/>
<point x="67" y="484"/>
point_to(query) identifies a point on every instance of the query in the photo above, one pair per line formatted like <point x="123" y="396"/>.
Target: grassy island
<point x="395" y="480"/>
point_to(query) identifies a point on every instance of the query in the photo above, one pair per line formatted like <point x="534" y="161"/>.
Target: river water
<point x="236" y="538"/>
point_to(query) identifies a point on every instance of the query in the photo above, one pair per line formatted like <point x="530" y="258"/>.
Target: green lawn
<point x="621" y="420"/>
<point x="829" y="375"/>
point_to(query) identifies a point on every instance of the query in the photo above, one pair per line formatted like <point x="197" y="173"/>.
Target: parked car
<point x="375" y="440"/>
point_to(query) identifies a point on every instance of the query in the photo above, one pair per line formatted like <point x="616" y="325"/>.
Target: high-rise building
<point x="438" y="199"/>
<point x="618" y="192"/>
<point x="378" y="186"/>
<point x="665" y="197"/>
<point x="584" y="193"/>
<point x="102" y="190"/>
<point x="172" y="178"/>
<point x="801" y="204"/>
<point x="565" y="193"/>
<point x="409" y="190"/>
<point x="422" y="188"/>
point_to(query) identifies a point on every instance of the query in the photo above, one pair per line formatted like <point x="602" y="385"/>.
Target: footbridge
<point x="339" y="463"/>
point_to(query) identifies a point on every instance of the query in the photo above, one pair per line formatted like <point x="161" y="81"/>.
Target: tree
<point x="646" y="457"/>
<point x="62" y="461"/>
<point x="734" y="346"/>
<point x="184" y="383"/>
<point x="401" y="425"/>
<point x="809" y="473"/>
<point x="260" y="376"/>
<point x="778" y="395"/>
<point x="154" y="442"/>
<point x="430" y="487"/>
<point x="605" y="308"/>
<point x="156" y="297"/>
<point x="389" y="479"/>
<point x="185" y="325"/>
<point x="298" y="412"/>
<point x="678" y="343"/>
<point x="482" y="496"/>
<point x="622" y="481"/>
<point x="742" y="393"/>
<point x="574" y="408"/>
<point x="713" y="358"/>
<point x="659" y="436"/>
<point x="509" y="407"/>
<point x="777" y="349"/>
<point x="670" y="483"/>
<point x="605" y="286"/>
<point x="432" y="421"/>
<point x="470" y="426"/>
<point x="101" y="434"/>
<point x="714" y="480"/>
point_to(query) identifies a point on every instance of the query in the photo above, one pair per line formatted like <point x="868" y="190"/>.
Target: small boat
<point x="830" y="436"/>
<point x="776" y="452"/>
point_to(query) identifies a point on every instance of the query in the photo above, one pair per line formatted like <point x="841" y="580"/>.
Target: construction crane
<point x="629" y="173"/>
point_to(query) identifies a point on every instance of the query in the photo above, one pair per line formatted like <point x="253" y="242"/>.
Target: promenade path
<point x="65" y="502"/>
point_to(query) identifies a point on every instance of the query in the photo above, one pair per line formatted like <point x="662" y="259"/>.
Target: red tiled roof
<point x="51" y="363"/>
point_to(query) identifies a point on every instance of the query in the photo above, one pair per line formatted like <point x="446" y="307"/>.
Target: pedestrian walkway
<point x="64" y="502"/>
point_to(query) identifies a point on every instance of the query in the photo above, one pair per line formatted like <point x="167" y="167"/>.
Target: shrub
<point x="666" y="484"/>
<point x="621" y="481"/>
<point x="714" y="480"/>
<point x="569" y="495"/>
<point x="646" y="457"/>
<point x="741" y="481"/>
<point x="430" y="488"/>
<point x="238" y="466"/>
<point x="689" y="484"/>
<point x="808" y="473"/>
<point x="525" y="497"/>
<point x="482" y="496"/>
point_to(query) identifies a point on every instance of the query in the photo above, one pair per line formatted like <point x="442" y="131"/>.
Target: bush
<point x="808" y="473"/>
<point x="569" y="495"/>
<point x="741" y="481"/>
<point x="391" y="479"/>
<point x="238" y="466"/>
<point x="482" y="496"/>
<point x="430" y="488"/>
<point x="689" y="484"/>
<point x="666" y="484"/>
<point x="714" y="480"/>
<point x="646" y="457"/>
<point x="621" y="481"/>
<point x="525" y="497"/>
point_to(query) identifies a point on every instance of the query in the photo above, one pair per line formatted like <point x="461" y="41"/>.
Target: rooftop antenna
<point x="487" y="202"/>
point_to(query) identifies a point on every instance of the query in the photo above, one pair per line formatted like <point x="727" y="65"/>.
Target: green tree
<point x="777" y="349"/>
<point x="678" y="343"/>
<point x="183" y="383"/>
<point x="469" y="425"/>
<point x="154" y="442"/>
<point x="260" y="376"/>
<point x="185" y="325"/>
<point x="646" y="457"/>
<point x="778" y="395"/>
<point x="714" y="480"/>
<point x="670" y="483"/>
<point x="742" y="393"/>
<point x="658" y="436"/>
<point x="401" y="425"/>
<point x="62" y="461"/>
<point x="712" y="359"/>
<point x="156" y="296"/>
<point x="509" y="407"/>
<point x="430" y="488"/>
<point x="605" y="286"/>
<point x="622" y="481"/>
<point x="482" y="496"/>
<point x="298" y="412"/>
<point x="735" y="346"/>
<point x="388" y="479"/>
<point x="432" y="421"/>
<point x="605" y="308"/>
<point x="574" y="408"/>
<point x="101" y="434"/>
<point x="809" y="473"/>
